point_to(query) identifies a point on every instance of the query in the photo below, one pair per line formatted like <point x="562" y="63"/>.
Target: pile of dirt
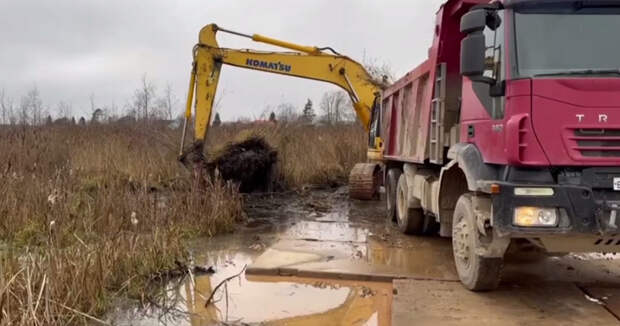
<point x="250" y="163"/>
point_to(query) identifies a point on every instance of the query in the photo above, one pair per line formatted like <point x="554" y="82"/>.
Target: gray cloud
<point x="70" y="49"/>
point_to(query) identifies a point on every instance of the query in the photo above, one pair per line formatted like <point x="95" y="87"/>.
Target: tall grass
<point x="91" y="214"/>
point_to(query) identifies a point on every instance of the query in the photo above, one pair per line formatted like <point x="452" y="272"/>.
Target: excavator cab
<point x="375" y="142"/>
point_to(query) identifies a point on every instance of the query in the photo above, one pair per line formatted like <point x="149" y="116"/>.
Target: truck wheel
<point x="477" y="273"/>
<point x="391" y="185"/>
<point x="409" y="220"/>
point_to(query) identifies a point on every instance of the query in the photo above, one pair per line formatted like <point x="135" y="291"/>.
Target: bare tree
<point x="336" y="107"/>
<point x="3" y="109"/>
<point x="91" y="97"/>
<point x="24" y="112"/>
<point x="130" y="110"/>
<point x="143" y="97"/>
<point x="64" y="110"/>
<point x="31" y="108"/>
<point x="266" y="113"/>
<point x="380" y="72"/>
<point x="7" y="111"/>
<point x="36" y="105"/>
<point x="287" y="112"/>
<point x="167" y="103"/>
<point x="111" y="112"/>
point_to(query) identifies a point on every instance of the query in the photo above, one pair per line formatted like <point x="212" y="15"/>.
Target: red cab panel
<point x="577" y="120"/>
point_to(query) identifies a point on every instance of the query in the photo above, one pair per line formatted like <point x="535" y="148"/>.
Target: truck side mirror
<point x="474" y="21"/>
<point x="472" y="55"/>
<point x="473" y="46"/>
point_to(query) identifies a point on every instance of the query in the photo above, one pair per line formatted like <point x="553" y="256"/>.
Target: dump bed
<point x="420" y="112"/>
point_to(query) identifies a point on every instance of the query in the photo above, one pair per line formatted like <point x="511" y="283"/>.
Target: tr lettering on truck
<point x="602" y="118"/>
<point x="276" y="66"/>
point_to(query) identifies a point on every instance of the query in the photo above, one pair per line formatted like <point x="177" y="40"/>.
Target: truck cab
<point x="518" y="132"/>
<point x="541" y="81"/>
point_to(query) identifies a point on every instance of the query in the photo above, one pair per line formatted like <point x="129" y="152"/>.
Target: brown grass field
<point x="92" y="214"/>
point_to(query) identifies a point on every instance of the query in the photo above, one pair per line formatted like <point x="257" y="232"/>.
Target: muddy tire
<point x="477" y="273"/>
<point x="409" y="220"/>
<point x="391" y="185"/>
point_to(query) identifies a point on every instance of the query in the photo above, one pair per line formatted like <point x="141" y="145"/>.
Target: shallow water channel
<point x="316" y="258"/>
<point x="322" y="218"/>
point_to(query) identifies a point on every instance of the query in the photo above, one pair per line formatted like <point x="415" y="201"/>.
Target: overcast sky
<point x="71" y="49"/>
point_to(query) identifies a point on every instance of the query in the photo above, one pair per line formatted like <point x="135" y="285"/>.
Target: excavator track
<point x="364" y="181"/>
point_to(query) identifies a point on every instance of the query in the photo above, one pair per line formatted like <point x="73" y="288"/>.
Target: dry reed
<point x="91" y="214"/>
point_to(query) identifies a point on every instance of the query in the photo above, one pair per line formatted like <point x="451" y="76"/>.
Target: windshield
<point x="568" y="40"/>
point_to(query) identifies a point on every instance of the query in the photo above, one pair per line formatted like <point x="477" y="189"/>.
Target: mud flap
<point x="452" y="185"/>
<point x="410" y="172"/>
<point x="491" y="244"/>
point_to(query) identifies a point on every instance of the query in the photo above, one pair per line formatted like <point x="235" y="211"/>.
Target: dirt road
<point x="315" y="258"/>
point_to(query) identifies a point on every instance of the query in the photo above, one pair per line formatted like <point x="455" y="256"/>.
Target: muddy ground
<point x="316" y="258"/>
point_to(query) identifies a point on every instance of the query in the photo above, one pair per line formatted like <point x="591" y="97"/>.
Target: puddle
<point x="326" y="231"/>
<point x="265" y="300"/>
<point x="320" y="220"/>
<point x="419" y="258"/>
<point x="290" y="301"/>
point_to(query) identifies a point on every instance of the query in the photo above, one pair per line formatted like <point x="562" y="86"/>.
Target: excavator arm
<point x="304" y="62"/>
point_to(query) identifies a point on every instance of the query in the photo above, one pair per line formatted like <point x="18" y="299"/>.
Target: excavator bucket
<point x="251" y="164"/>
<point x="195" y="160"/>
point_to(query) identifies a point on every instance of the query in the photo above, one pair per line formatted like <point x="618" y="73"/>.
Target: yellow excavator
<point x="310" y="62"/>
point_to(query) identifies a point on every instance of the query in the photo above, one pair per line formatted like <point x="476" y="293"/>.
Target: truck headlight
<point x="535" y="216"/>
<point x="534" y="192"/>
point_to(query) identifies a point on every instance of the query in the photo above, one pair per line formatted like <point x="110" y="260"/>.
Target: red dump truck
<point x="510" y="131"/>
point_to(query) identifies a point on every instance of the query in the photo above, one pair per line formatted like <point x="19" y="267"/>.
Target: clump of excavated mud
<point x="250" y="163"/>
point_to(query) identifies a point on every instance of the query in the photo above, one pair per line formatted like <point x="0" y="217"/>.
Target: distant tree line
<point x="147" y="104"/>
<point x="334" y="107"/>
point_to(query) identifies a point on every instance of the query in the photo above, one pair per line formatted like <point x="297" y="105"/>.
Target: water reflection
<point x="289" y="301"/>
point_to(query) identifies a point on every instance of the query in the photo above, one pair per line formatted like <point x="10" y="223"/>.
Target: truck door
<point x="483" y="106"/>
